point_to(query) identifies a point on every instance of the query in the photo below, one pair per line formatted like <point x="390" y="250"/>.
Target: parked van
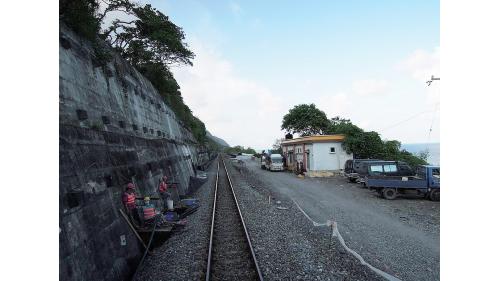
<point x="352" y="168"/>
<point x="374" y="169"/>
<point x="275" y="162"/>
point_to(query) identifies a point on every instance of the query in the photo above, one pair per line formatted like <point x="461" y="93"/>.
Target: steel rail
<point x="256" y="264"/>
<point x="209" y="262"/>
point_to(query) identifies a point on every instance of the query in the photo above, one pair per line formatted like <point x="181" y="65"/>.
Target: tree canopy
<point x="81" y="17"/>
<point x="340" y="125"/>
<point x="306" y="120"/>
<point x="150" y="38"/>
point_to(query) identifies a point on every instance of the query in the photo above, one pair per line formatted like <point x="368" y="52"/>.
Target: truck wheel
<point x="352" y="180"/>
<point x="434" y="195"/>
<point x="389" y="193"/>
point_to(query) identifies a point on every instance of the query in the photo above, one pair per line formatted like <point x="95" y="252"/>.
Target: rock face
<point x="114" y="129"/>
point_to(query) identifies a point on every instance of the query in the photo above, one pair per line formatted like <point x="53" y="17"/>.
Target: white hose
<point x="336" y="233"/>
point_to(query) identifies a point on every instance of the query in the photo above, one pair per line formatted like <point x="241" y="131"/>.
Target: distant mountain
<point x="217" y="140"/>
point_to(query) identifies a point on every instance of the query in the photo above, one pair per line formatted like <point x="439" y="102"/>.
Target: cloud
<point x="239" y="110"/>
<point x="369" y="87"/>
<point x="421" y="64"/>
<point x="334" y="105"/>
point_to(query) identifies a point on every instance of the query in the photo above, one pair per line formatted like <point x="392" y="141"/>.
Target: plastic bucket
<point x="171" y="216"/>
<point x="170" y="204"/>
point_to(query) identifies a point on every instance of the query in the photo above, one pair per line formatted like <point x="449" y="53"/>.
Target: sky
<point x="367" y="61"/>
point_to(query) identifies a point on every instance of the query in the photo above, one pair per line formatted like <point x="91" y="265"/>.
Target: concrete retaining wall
<point x="114" y="128"/>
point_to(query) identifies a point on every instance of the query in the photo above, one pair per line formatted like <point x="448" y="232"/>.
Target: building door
<point x="308" y="162"/>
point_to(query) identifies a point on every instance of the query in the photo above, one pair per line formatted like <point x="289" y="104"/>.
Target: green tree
<point x="150" y="38"/>
<point x="339" y="125"/>
<point x="411" y="159"/>
<point x="392" y="149"/>
<point x="306" y="120"/>
<point x="81" y="16"/>
<point x="364" y="145"/>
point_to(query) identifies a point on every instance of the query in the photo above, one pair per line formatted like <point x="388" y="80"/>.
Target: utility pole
<point x="432" y="79"/>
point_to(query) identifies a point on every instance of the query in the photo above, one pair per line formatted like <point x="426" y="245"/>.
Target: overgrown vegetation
<point x="81" y="17"/>
<point x="308" y="120"/>
<point x="143" y="36"/>
<point x="239" y="149"/>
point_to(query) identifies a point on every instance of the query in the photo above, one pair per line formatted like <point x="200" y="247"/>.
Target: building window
<point x="390" y="168"/>
<point x="376" y="169"/>
<point x="332" y="149"/>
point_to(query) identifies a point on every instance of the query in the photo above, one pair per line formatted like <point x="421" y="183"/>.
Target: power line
<point x="432" y="122"/>
<point x="408" y="119"/>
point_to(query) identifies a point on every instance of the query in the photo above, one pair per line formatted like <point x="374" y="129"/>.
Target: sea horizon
<point x="433" y="147"/>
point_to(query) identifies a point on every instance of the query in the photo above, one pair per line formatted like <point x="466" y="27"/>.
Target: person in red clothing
<point x="150" y="215"/>
<point x="128" y="199"/>
<point x="162" y="190"/>
<point x="148" y="210"/>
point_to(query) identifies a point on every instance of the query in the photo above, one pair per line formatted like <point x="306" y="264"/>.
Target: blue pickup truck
<point x="426" y="181"/>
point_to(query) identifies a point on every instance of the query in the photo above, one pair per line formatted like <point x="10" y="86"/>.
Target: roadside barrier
<point x="336" y="233"/>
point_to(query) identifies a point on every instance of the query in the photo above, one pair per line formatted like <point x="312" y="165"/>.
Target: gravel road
<point x="400" y="237"/>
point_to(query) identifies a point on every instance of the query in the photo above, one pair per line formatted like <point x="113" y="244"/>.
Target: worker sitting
<point x="150" y="215"/>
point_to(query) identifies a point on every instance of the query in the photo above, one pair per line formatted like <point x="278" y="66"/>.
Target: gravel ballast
<point x="184" y="255"/>
<point x="286" y="244"/>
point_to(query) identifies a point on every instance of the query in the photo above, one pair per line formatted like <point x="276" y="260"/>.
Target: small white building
<point x="320" y="156"/>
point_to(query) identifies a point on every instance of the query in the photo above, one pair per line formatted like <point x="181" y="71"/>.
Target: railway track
<point x="230" y="252"/>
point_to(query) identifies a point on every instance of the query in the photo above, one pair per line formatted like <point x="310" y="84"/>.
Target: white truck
<point x="274" y="162"/>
